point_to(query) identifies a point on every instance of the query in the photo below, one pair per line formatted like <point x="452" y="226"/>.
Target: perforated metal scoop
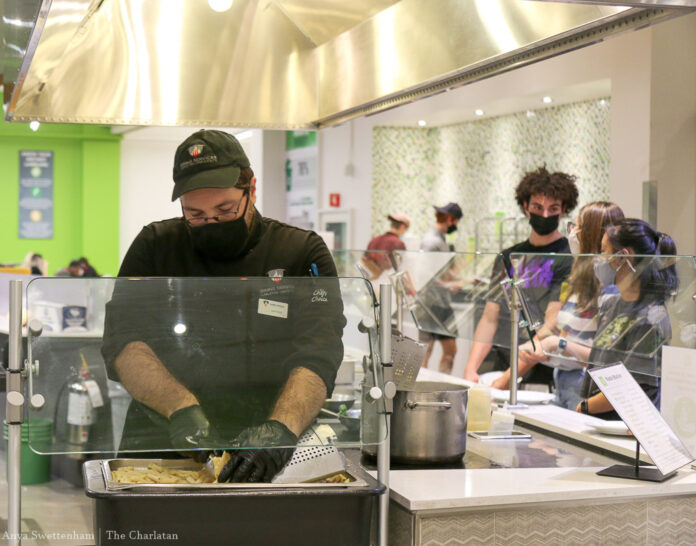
<point x="407" y="356"/>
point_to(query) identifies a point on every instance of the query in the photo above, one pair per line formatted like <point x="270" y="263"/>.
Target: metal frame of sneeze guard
<point x="388" y="394"/>
<point x="15" y="416"/>
<point x="18" y="369"/>
<point x="519" y="318"/>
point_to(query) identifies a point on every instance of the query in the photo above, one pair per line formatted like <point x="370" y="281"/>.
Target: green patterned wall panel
<point x="479" y="163"/>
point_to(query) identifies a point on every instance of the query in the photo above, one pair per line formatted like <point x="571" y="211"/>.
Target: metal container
<point x="428" y="424"/>
<point x="230" y="513"/>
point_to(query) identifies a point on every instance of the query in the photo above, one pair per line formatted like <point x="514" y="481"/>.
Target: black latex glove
<point x="260" y="465"/>
<point x="189" y="429"/>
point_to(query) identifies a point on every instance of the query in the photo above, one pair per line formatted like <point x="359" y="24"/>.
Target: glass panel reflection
<point x="624" y="315"/>
<point x="123" y="361"/>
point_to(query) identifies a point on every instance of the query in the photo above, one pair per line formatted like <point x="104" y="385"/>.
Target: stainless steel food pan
<point x="108" y="465"/>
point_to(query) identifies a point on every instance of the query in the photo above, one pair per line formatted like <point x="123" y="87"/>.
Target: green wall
<point x="85" y="188"/>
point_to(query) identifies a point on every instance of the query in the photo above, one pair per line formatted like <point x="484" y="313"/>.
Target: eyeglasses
<point x="196" y="221"/>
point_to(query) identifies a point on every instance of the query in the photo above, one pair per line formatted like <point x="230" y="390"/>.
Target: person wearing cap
<point x="543" y="197"/>
<point x="446" y="220"/>
<point x="234" y="372"/>
<point x="389" y="241"/>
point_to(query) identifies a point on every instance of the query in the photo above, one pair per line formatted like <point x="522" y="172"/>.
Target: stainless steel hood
<point x="288" y="63"/>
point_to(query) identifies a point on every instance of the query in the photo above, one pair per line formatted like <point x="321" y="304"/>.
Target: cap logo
<point x="195" y="150"/>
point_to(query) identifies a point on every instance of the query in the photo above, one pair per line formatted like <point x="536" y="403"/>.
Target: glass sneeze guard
<point x="446" y="291"/>
<point x="653" y="304"/>
<point x="113" y="352"/>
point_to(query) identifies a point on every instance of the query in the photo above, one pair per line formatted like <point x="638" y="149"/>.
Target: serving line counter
<point x="245" y="348"/>
<point x="542" y="491"/>
<point x="550" y="499"/>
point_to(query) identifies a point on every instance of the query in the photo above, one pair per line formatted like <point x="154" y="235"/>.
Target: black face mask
<point x="544" y="225"/>
<point x="222" y="241"/>
<point x="451" y="229"/>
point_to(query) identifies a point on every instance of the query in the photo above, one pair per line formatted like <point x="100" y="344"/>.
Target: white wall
<point x="673" y="129"/>
<point x="626" y="60"/>
<point x="147" y="159"/>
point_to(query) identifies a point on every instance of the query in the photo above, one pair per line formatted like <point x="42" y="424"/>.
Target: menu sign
<point x="35" y="194"/>
<point x="642" y="417"/>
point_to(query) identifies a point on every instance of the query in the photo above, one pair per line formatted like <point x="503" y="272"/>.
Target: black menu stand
<point x="636" y="472"/>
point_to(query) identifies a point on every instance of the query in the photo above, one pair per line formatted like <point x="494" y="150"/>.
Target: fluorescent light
<point x="220" y="5"/>
<point x="478" y="112"/>
<point x="34" y="125"/>
<point x="243" y="135"/>
<point x="547" y="100"/>
<point x="422" y="123"/>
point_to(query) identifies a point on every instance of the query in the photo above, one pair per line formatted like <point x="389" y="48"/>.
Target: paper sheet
<point x="642" y="417"/>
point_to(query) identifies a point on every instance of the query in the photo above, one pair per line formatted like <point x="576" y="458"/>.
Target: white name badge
<point x="273" y="308"/>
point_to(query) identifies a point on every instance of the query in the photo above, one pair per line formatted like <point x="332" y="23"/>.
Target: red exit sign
<point x="335" y="199"/>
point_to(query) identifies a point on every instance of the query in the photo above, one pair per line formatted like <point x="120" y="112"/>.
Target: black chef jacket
<point x="232" y="356"/>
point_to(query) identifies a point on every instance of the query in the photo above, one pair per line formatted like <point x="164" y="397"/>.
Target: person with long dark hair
<point x="633" y="324"/>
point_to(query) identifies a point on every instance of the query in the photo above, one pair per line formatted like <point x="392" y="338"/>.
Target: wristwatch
<point x="562" y="344"/>
<point x="583" y="407"/>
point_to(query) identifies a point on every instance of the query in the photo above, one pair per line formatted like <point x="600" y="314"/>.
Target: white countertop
<point x="418" y="490"/>
<point x="445" y="489"/>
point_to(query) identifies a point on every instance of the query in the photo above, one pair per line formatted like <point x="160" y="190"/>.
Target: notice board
<point x="35" y="194"/>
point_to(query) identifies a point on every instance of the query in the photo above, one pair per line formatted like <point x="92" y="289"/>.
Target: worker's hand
<point x="189" y="429"/>
<point x="263" y="459"/>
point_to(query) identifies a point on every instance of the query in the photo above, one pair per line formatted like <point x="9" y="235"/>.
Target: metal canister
<point x="81" y="413"/>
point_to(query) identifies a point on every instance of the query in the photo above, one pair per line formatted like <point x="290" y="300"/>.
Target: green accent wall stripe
<point x="86" y="194"/>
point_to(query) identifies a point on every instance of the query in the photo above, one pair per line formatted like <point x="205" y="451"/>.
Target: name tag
<point x="273" y="308"/>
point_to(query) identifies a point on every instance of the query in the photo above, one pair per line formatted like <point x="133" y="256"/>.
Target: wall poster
<point x="35" y="194"/>
<point x="301" y="177"/>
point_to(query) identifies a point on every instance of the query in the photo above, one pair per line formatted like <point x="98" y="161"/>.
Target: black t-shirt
<point x="233" y="355"/>
<point x="543" y="278"/>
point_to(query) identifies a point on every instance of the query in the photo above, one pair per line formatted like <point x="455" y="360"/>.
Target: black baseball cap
<point x="208" y="159"/>
<point x="450" y="208"/>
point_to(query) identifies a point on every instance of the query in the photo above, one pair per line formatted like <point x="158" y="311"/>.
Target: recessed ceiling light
<point x="220" y="5"/>
<point x="422" y="123"/>
<point x="34" y="125"/>
<point x="547" y="100"/>
<point x="478" y="112"/>
<point x="531" y="113"/>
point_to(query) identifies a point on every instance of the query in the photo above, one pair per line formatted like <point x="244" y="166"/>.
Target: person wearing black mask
<point x="543" y="197"/>
<point x="446" y="219"/>
<point x="172" y="380"/>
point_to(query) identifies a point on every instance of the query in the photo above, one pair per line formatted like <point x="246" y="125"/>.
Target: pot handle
<point x="410" y="404"/>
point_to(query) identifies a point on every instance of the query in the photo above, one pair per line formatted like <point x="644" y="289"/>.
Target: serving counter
<point x="542" y="491"/>
<point x="245" y="349"/>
